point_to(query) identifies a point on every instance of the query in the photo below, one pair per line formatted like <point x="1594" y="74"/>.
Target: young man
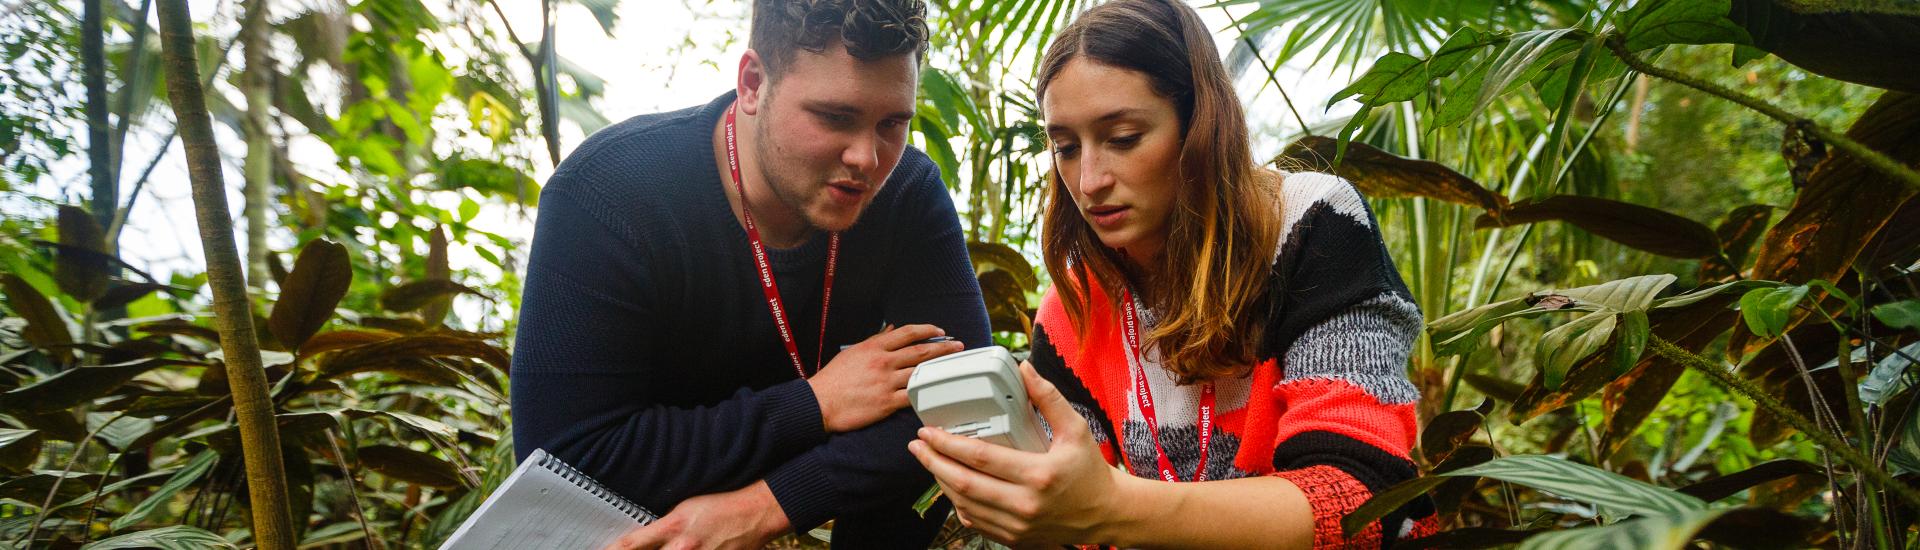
<point x="671" y="340"/>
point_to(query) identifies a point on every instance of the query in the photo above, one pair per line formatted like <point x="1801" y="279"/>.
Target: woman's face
<point x="1116" y="147"/>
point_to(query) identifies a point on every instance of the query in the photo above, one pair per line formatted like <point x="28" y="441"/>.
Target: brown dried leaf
<point x="319" y="280"/>
<point x="421" y="294"/>
<point x="1844" y="206"/>
<point x="80" y="274"/>
<point x="1380" y="174"/>
<point x="410" y="466"/>
<point x="437" y="268"/>
<point x="386" y="354"/>
<point x="1640" y="227"/>
<point x="46" y="329"/>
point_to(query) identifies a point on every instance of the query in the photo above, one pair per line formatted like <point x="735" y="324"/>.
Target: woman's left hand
<point x="1063" y="496"/>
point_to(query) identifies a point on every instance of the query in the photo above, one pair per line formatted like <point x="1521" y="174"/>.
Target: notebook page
<point x="537" y="508"/>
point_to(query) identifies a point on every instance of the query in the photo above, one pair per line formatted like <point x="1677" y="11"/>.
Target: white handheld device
<point x="977" y="394"/>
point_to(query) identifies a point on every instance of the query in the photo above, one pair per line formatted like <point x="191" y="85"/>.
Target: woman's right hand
<point x="1066" y="495"/>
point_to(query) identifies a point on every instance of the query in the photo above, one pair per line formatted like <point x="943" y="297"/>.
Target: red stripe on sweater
<point x="1338" y="406"/>
<point x="1333" y="494"/>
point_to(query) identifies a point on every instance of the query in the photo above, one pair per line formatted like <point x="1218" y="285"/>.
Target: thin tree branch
<point x="508" y="23"/>
<point x="1885" y="164"/>
<point x="120" y="217"/>
<point x="246" y="379"/>
<point x="1272" y="77"/>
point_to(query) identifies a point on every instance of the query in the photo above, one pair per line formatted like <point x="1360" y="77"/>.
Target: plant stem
<point x="1885" y="164"/>
<point x="233" y="315"/>
<point x="1862" y="465"/>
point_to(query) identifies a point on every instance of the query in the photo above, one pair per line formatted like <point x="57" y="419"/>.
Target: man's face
<point x="830" y="130"/>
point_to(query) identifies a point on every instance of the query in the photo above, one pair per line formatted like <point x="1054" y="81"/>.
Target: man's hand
<point x="746" y="518"/>
<point x="868" y="381"/>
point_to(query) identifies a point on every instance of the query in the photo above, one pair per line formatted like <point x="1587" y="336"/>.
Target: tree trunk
<point x="93" y="56"/>
<point x="259" y="437"/>
<point x="256" y="84"/>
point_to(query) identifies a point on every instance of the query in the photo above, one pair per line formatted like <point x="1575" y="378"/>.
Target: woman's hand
<point x="1063" y="496"/>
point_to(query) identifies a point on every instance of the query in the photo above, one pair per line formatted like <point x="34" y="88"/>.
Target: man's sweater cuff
<point x="804" y="492"/>
<point x="793" y="415"/>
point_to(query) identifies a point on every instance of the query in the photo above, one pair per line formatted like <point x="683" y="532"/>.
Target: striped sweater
<point x="1330" y="408"/>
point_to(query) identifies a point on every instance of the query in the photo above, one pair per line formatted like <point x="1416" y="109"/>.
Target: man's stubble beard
<point x="795" y="195"/>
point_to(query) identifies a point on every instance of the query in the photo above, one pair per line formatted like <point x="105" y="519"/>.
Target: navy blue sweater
<point x="646" y="355"/>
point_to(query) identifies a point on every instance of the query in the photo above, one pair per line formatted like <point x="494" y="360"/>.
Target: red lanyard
<point x="766" y="273"/>
<point x="1143" y="397"/>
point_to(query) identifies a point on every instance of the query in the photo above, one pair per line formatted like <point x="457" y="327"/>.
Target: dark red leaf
<point x="1379" y="174"/>
<point x="1640" y="227"/>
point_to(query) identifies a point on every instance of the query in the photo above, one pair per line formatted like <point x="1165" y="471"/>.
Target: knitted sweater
<point x="1330" y="408"/>
<point x="647" y="355"/>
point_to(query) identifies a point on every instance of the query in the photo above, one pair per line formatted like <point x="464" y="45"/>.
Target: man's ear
<point x="753" y="82"/>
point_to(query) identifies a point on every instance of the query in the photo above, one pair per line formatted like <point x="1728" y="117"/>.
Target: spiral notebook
<point x="548" y="504"/>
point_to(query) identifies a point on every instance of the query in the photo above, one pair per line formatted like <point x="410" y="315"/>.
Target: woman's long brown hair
<point x="1209" y="286"/>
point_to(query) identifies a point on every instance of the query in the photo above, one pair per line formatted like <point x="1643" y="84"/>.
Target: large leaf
<point x="1901" y="315"/>
<point x="334" y="340"/>
<point x="178" y="537"/>
<point x="1866" y="42"/>
<point x="1651" y="533"/>
<point x="78" y="385"/>
<point x="1736" y="527"/>
<point x="1459" y="333"/>
<point x="1904" y="458"/>
<point x="1523" y="57"/>
<point x="1654" y="23"/>
<point x="1573" y="481"/>
<point x="1450" y="429"/>
<point x="1394" y="77"/>
<point x="999" y="257"/>
<point x="1741" y="228"/>
<point x="1692" y="326"/>
<point x="319" y="280"/>
<point x="422" y="294"/>
<point x="1690" y="298"/>
<point x="1629" y="294"/>
<point x="81" y="274"/>
<point x="1642" y="227"/>
<point x="19" y="448"/>
<point x="122" y="294"/>
<point x="1767" y="311"/>
<point x="196" y="467"/>
<point x="35" y="486"/>
<point x="1570" y="343"/>
<point x="1379" y="174"/>
<point x="1628" y="400"/>
<point x="387" y="353"/>
<point x="1731" y="484"/>
<point x="46" y="329"/>
<point x="1889" y="376"/>
<point x="437" y="269"/>
<point x="1843" y="206"/>
<point x="1451" y="332"/>
<point x="491" y="178"/>
<point x="410" y="466"/>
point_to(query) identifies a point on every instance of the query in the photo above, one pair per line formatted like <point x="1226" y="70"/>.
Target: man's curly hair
<point x="868" y="29"/>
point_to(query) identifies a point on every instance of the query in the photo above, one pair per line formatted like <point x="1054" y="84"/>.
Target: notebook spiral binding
<point x="553" y="464"/>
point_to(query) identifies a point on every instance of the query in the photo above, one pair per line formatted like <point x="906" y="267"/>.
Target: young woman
<point x="1234" y="338"/>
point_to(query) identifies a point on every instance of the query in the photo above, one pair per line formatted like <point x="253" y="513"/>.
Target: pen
<point x="933" y="340"/>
